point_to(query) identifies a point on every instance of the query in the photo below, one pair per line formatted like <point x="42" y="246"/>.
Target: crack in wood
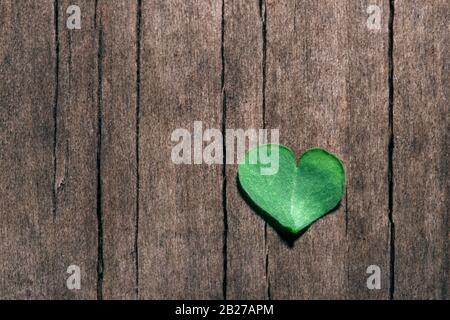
<point x="55" y="104"/>
<point x="391" y="149"/>
<point x="138" y="113"/>
<point x="263" y="18"/>
<point x="100" y="258"/>
<point x="224" y="171"/>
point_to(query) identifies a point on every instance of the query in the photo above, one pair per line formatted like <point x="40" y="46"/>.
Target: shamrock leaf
<point x="293" y="195"/>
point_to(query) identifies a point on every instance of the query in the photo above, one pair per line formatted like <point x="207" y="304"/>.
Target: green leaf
<point x="293" y="195"/>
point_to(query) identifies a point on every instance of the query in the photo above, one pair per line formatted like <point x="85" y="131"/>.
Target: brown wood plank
<point x="118" y="23"/>
<point x="27" y="69"/>
<point x="75" y="217"/>
<point x="243" y="53"/>
<point x="327" y="87"/>
<point x="421" y="149"/>
<point x="180" y="206"/>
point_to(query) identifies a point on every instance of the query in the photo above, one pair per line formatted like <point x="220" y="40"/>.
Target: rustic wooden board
<point x="27" y="67"/>
<point x="118" y="24"/>
<point x="421" y="149"/>
<point x="327" y="87"/>
<point x="77" y="107"/>
<point x="180" y="206"/>
<point x="243" y="88"/>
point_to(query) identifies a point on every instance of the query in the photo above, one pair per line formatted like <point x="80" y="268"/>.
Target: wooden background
<point x="86" y="118"/>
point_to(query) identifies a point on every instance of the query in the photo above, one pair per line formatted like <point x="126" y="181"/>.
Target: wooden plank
<point x="180" y="206"/>
<point x="27" y="68"/>
<point x="243" y="55"/>
<point x="421" y="149"/>
<point x="327" y="86"/>
<point x="118" y="24"/>
<point x="76" y="222"/>
<point x="366" y="136"/>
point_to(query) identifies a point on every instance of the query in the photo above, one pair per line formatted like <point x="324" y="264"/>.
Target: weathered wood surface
<point x="180" y="206"/>
<point x="27" y="93"/>
<point x="244" y="93"/>
<point x="75" y="153"/>
<point x="421" y="149"/>
<point x="118" y="26"/>
<point x="327" y="86"/>
<point x="86" y="118"/>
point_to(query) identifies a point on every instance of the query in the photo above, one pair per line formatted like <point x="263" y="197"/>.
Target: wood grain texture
<point x="327" y="87"/>
<point x="76" y="152"/>
<point x="421" y="149"/>
<point x="27" y="67"/>
<point x="86" y="118"/>
<point x="243" y="89"/>
<point x="365" y="145"/>
<point x="180" y="210"/>
<point x="118" y="23"/>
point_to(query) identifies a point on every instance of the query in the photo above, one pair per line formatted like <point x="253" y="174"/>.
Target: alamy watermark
<point x="374" y="280"/>
<point x="374" y="19"/>
<point x="74" y="20"/>
<point x="74" y="280"/>
<point x="207" y="146"/>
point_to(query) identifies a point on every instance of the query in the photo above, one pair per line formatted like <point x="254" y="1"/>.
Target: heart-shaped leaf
<point x="293" y="195"/>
